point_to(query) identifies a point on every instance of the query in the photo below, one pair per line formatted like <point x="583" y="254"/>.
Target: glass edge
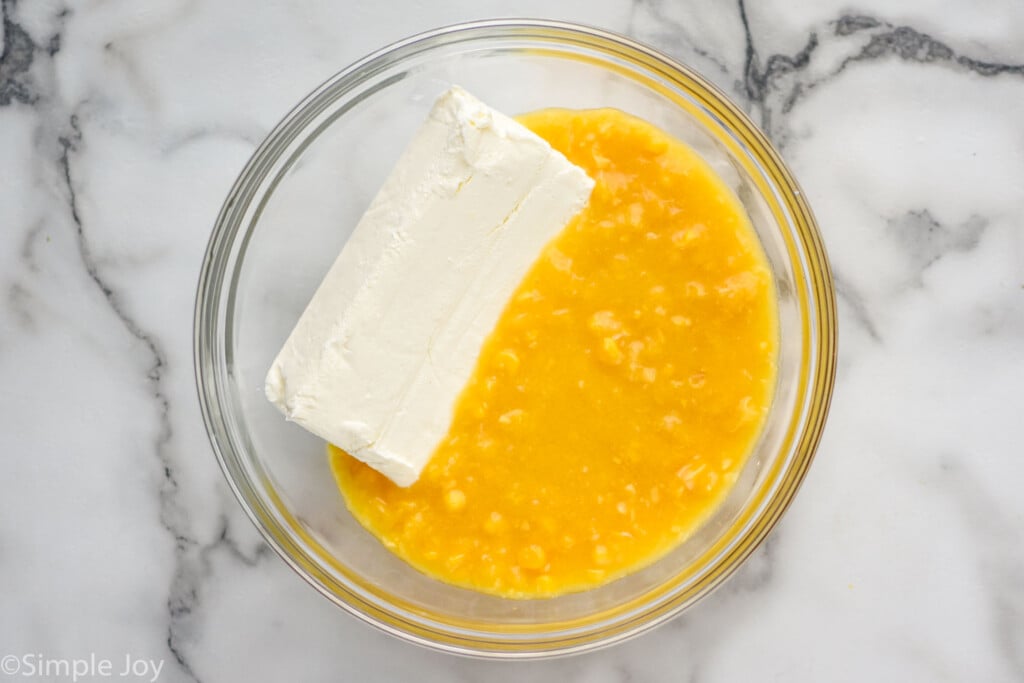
<point x="229" y="221"/>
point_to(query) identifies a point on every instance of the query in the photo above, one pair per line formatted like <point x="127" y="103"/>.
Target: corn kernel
<point x="604" y="322"/>
<point x="494" y="523"/>
<point x="508" y="360"/>
<point x="545" y="584"/>
<point x="558" y="260"/>
<point x="695" y="289"/>
<point x="454" y="500"/>
<point x="612" y="352"/>
<point x="532" y="557"/>
<point x="636" y="213"/>
<point x="512" y="417"/>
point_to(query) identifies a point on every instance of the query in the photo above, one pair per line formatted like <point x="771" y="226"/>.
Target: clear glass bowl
<point x="291" y="211"/>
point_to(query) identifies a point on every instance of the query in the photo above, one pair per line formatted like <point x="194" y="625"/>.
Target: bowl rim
<point x="823" y="330"/>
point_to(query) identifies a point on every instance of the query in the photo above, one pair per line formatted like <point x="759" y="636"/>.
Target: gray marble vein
<point x="15" y="60"/>
<point x="173" y="517"/>
<point x="995" y="534"/>
<point x="779" y="81"/>
<point x="926" y="240"/>
<point x="859" y="313"/>
<point x="26" y="78"/>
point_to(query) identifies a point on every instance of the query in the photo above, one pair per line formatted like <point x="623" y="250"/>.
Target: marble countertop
<point x="124" y="123"/>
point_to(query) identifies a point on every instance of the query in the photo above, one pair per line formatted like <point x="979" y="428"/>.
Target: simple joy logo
<point x="36" y="665"/>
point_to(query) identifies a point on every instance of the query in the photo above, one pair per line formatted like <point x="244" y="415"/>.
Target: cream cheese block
<point x="391" y="337"/>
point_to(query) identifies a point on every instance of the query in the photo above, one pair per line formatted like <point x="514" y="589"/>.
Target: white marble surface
<point x="122" y="126"/>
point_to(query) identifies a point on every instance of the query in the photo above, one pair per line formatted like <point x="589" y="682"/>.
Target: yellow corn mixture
<point x="619" y="394"/>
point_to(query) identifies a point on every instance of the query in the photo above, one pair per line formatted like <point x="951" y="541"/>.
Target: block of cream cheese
<point x="391" y="337"/>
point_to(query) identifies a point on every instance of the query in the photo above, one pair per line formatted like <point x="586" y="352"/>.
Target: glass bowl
<point x="291" y="211"/>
